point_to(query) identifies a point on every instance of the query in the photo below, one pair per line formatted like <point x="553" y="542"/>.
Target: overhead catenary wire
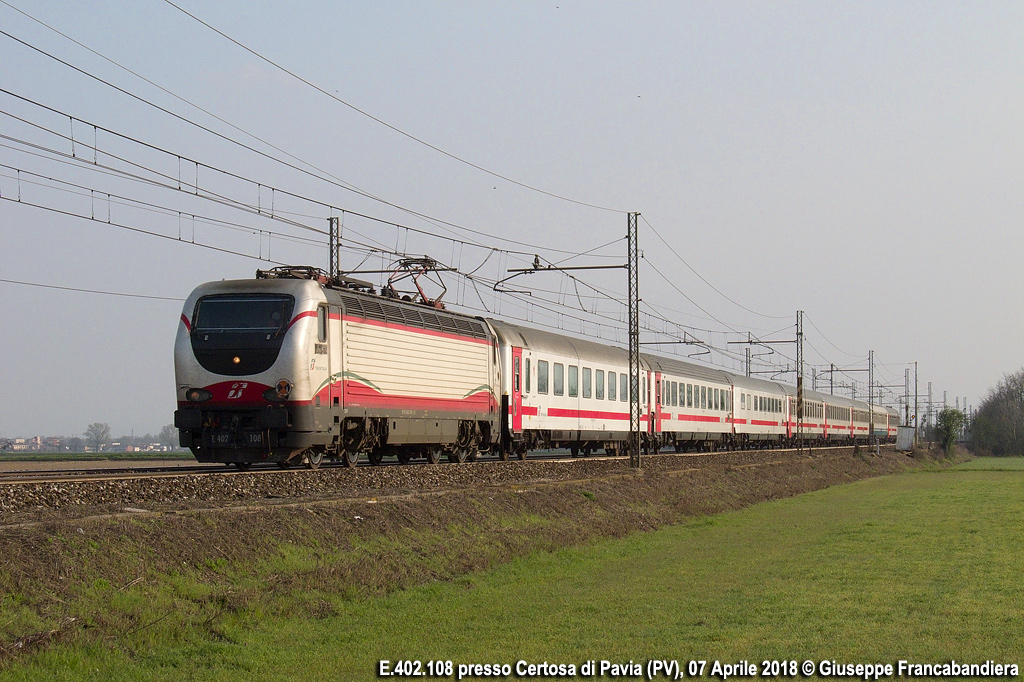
<point x="139" y="230"/>
<point x="90" y="291"/>
<point x="378" y="247"/>
<point x="320" y="175"/>
<point x="229" y="174"/>
<point x="86" y="191"/>
<point x="384" y="123"/>
<point x="703" y="279"/>
<point x="829" y="342"/>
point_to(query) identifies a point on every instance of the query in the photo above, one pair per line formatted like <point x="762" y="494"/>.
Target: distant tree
<point x="948" y="426"/>
<point x="74" y="444"/>
<point x="999" y="422"/>
<point x="169" y="436"/>
<point x="97" y="434"/>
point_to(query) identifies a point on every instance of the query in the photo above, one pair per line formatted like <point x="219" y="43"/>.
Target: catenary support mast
<point x="634" y="343"/>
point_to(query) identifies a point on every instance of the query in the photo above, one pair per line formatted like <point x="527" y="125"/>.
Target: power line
<point x="319" y="175"/>
<point x="388" y="125"/>
<point x="90" y="291"/>
<point x="703" y="279"/>
<point x="827" y="339"/>
<point x="683" y="294"/>
<point x="139" y="230"/>
<point x="148" y="206"/>
<point x="236" y="176"/>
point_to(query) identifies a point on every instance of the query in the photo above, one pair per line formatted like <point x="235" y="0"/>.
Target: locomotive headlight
<point x="279" y="392"/>
<point x="197" y="395"/>
<point x="236" y="359"/>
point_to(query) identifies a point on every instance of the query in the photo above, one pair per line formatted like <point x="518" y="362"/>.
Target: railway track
<point x="77" y="474"/>
<point x="72" y="473"/>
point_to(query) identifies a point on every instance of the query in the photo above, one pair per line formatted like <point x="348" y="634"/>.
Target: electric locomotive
<point x="296" y="366"/>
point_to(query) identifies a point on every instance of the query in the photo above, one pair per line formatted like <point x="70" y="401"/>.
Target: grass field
<point x="924" y="566"/>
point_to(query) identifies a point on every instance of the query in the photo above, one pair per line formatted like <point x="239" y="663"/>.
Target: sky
<point x="861" y="162"/>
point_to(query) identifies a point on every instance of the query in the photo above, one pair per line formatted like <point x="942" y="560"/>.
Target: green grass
<point x="925" y="568"/>
<point x="992" y="464"/>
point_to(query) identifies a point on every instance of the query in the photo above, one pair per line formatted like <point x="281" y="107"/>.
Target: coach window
<point x="743" y="400"/>
<point x="542" y="376"/>
<point x="559" y="378"/>
<point x="673" y="389"/>
<point x="623" y="387"/>
<point x="587" y="383"/>
<point x="703" y="397"/>
<point x="515" y="375"/>
<point x="574" y="381"/>
<point x="689" y="395"/>
<point x="612" y="379"/>
<point x="527" y="386"/>
<point x="599" y="384"/>
<point x="321" y="324"/>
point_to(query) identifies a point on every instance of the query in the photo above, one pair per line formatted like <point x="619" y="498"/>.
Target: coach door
<point x="658" y="402"/>
<point x="517" y="389"/>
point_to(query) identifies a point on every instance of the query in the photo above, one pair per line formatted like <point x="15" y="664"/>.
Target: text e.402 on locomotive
<point x="294" y="365"/>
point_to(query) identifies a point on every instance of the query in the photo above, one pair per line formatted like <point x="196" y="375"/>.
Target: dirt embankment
<point x="364" y="531"/>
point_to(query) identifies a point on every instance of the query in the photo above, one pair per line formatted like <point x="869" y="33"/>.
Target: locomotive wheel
<point x="471" y="453"/>
<point x="574" y="450"/>
<point x="522" y="454"/>
<point x="503" y="454"/>
<point x="376" y="457"/>
<point x="433" y="455"/>
<point x="243" y="466"/>
<point x="404" y="457"/>
<point x="314" y="458"/>
<point x="349" y="457"/>
<point x="457" y="456"/>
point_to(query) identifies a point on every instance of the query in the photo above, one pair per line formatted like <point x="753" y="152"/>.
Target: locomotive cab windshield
<point x="242" y="314"/>
<point x="240" y="334"/>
